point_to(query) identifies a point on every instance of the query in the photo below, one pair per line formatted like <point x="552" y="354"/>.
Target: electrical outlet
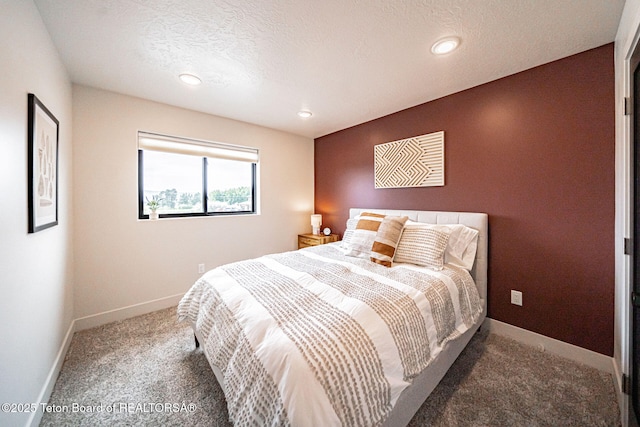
<point x="516" y="297"/>
<point x="200" y="268"/>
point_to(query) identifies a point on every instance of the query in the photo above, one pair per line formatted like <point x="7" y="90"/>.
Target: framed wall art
<point x="43" y="132"/>
<point x="413" y="162"/>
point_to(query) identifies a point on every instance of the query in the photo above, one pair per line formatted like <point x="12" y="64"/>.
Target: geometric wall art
<point x="411" y="162"/>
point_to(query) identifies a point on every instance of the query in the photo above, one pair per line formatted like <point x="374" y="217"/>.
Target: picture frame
<point x="412" y="162"/>
<point x="43" y="134"/>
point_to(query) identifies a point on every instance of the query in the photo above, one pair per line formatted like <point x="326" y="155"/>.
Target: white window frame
<point x="148" y="141"/>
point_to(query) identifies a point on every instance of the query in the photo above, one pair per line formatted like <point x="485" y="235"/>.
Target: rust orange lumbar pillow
<point x="387" y="237"/>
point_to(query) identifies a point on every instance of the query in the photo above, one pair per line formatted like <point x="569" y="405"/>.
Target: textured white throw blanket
<point x="313" y="337"/>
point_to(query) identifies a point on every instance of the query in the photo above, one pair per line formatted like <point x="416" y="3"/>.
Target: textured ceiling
<point x="347" y="61"/>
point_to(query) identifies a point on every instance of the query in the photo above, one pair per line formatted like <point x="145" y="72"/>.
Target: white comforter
<point x="313" y="337"/>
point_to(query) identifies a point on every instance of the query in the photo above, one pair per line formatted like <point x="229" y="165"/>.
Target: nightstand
<point x="306" y="240"/>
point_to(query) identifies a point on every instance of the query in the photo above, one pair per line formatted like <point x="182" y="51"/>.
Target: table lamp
<point x="316" y="221"/>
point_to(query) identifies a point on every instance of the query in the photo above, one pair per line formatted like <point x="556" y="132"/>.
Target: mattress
<point x="314" y="337"/>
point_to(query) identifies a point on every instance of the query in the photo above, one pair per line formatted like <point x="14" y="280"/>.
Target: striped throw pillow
<point x="422" y="245"/>
<point x="361" y="241"/>
<point x="387" y="238"/>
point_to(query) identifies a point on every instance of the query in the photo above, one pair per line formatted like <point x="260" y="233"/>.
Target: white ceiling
<point x="347" y="61"/>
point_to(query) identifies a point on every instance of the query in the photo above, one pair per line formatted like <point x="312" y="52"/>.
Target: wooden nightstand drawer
<point x="306" y="240"/>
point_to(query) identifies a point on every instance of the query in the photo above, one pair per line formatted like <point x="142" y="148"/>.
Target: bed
<point x="328" y="335"/>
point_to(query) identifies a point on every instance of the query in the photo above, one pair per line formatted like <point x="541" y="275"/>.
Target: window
<point x="195" y="178"/>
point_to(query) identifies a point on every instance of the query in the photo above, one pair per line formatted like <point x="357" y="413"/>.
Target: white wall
<point x="626" y="38"/>
<point x="36" y="270"/>
<point x="119" y="260"/>
<point x="122" y="261"/>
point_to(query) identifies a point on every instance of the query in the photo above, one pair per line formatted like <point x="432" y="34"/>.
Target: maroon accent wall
<point x="535" y="151"/>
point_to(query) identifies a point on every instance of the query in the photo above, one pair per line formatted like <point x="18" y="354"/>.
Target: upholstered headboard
<point x="478" y="221"/>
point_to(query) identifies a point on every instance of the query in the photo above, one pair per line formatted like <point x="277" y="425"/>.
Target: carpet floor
<point x="145" y="371"/>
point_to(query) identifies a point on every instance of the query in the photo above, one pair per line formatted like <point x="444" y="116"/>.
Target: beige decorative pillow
<point x="387" y="238"/>
<point x="422" y="246"/>
<point x="361" y="241"/>
<point x="462" y="244"/>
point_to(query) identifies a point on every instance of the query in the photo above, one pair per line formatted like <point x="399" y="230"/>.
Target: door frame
<point x="632" y="118"/>
<point x="623" y="350"/>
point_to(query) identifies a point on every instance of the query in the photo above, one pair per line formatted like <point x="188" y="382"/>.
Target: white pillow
<point x="348" y="233"/>
<point x="462" y="245"/>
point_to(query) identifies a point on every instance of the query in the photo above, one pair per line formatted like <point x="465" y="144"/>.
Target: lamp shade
<point x="316" y="221"/>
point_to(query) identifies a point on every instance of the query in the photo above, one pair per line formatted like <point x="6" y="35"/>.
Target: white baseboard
<point x="52" y="377"/>
<point x="91" y="322"/>
<point x="554" y="346"/>
<point x="126" y="312"/>
<point x="541" y="342"/>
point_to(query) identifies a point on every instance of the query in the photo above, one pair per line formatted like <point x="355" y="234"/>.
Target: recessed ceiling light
<point x="190" y="79"/>
<point x="305" y="114"/>
<point x="445" y="45"/>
